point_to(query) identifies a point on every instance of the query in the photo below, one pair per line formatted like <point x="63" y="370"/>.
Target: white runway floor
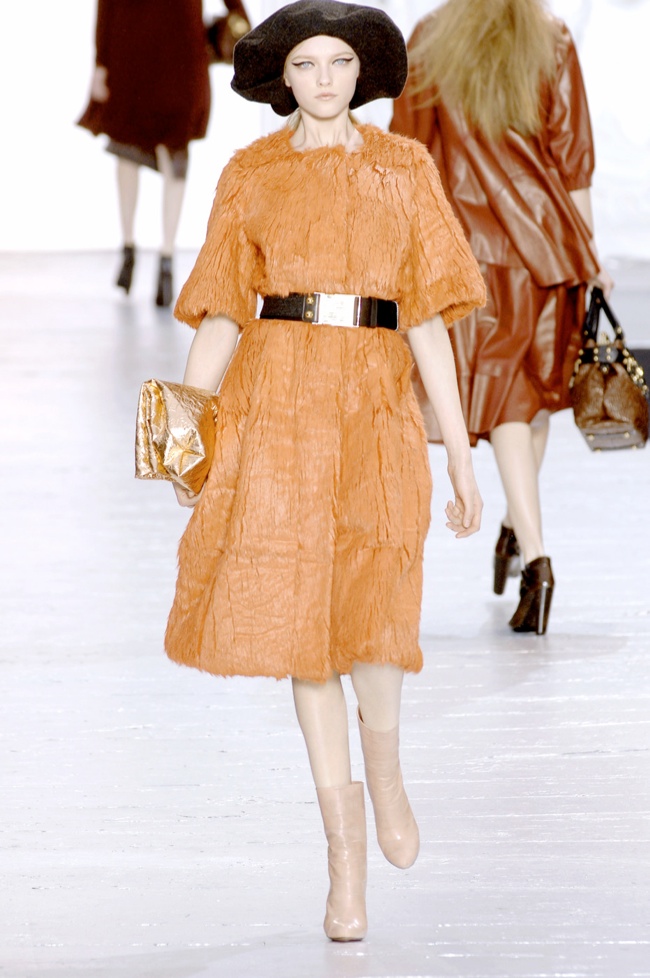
<point x="160" y="823"/>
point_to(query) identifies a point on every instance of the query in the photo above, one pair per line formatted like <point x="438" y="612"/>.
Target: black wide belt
<point x="332" y="309"/>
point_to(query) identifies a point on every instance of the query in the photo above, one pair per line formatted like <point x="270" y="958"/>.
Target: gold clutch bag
<point x="175" y="433"/>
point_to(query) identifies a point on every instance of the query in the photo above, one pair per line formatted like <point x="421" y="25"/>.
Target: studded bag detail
<point x="608" y="389"/>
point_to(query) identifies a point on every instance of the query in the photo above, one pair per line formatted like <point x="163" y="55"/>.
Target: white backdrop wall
<point x="57" y="189"/>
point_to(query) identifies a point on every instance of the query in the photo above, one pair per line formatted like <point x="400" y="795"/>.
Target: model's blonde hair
<point x="489" y="57"/>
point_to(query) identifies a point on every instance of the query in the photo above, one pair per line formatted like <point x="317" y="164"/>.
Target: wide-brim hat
<point x="261" y="54"/>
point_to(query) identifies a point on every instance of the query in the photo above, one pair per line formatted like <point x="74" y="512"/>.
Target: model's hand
<point x="604" y="281"/>
<point x="185" y="497"/>
<point x="98" y="87"/>
<point x="464" y="514"/>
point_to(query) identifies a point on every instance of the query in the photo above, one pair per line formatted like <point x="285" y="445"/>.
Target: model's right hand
<point x="185" y="497"/>
<point x="98" y="87"/>
<point x="604" y="281"/>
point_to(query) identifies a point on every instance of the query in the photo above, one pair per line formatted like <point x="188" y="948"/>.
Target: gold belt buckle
<point x="337" y="309"/>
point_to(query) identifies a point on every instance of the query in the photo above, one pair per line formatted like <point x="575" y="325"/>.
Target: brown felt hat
<point x="261" y="54"/>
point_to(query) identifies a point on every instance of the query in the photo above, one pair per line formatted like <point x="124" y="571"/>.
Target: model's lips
<point x="326" y="95"/>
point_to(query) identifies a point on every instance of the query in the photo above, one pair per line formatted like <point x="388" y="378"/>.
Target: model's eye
<point x="343" y="61"/>
<point x="302" y="64"/>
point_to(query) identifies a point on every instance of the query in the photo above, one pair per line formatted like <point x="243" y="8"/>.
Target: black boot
<point x="535" y="595"/>
<point x="506" y="563"/>
<point x="125" y="277"/>
<point x="164" y="293"/>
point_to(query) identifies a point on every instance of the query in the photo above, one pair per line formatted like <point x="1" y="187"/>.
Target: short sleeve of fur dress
<point x="221" y="281"/>
<point x="377" y="223"/>
<point x="441" y="276"/>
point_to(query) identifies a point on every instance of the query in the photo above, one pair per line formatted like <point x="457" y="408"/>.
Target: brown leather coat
<point x="514" y="357"/>
<point x="512" y="196"/>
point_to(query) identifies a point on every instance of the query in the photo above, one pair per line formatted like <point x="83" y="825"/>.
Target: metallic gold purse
<point x="175" y="433"/>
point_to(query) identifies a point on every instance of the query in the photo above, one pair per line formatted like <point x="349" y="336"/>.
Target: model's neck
<point x="313" y="133"/>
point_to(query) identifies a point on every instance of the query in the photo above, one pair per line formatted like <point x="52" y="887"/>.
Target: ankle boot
<point x="506" y="563"/>
<point x="535" y="595"/>
<point x="125" y="276"/>
<point x="344" y="818"/>
<point x="164" y="290"/>
<point x="397" y="830"/>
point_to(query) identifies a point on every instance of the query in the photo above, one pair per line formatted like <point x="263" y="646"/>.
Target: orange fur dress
<point x="304" y="553"/>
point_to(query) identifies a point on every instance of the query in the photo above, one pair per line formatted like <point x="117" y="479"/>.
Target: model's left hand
<point x="464" y="514"/>
<point x="185" y="497"/>
<point x="99" y="85"/>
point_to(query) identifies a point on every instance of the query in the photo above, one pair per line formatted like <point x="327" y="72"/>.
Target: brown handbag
<point x="222" y="33"/>
<point x="175" y="433"/>
<point x="608" y="389"/>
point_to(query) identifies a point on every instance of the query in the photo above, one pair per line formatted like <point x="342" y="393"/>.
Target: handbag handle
<point x="596" y="303"/>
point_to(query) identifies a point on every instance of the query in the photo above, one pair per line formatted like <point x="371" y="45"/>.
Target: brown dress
<point x="157" y="62"/>
<point x="304" y="552"/>
<point x="515" y="356"/>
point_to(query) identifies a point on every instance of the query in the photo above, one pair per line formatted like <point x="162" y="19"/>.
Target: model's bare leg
<point x="323" y="718"/>
<point x="379" y="691"/>
<point x="518" y="457"/>
<point x="540" y="426"/>
<point x="514" y="449"/>
<point x="128" y="174"/>
<point x="173" y="194"/>
<point x="128" y="178"/>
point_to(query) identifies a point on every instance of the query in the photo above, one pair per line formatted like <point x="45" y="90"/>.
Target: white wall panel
<point x="57" y="188"/>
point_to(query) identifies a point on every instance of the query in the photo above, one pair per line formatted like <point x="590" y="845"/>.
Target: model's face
<point x="322" y="73"/>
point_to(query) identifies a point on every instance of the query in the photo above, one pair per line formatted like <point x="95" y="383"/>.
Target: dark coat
<point x="157" y="61"/>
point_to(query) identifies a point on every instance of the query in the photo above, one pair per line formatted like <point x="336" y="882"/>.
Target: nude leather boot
<point x="344" y="818"/>
<point x="397" y="830"/>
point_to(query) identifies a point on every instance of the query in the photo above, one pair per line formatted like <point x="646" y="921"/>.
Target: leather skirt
<point x="515" y="356"/>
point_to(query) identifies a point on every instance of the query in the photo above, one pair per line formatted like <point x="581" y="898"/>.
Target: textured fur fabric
<point x="304" y="553"/>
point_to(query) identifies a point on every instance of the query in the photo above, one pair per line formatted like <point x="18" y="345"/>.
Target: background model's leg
<point x="540" y="427"/>
<point x="518" y="449"/>
<point x="128" y="174"/>
<point x="128" y="179"/>
<point x="173" y="194"/>
<point x="515" y="452"/>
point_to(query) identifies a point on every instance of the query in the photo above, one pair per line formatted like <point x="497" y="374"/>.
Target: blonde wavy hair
<point x="489" y="57"/>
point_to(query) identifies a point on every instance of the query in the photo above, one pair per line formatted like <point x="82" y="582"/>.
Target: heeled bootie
<point x="344" y="818"/>
<point x="535" y="594"/>
<point x="506" y="563"/>
<point x="125" y="276"/>
<point x="397" y="830"/>
<point x="164" y="290"/>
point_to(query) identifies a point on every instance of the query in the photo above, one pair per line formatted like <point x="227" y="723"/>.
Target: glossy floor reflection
<point x="159" y="823"/>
